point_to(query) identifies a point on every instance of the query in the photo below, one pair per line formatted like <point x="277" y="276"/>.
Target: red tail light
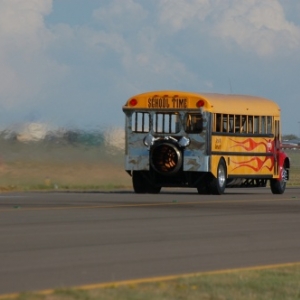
<point x="133" y="102"/>
<point x="200" y="103"/>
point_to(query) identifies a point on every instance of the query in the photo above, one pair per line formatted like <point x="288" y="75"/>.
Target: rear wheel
<point x="278" y="185"/>
<point x="138" y="182"/>
<point x="151" y="189"/>
<point x="141" y="185"/>
<point x="203" y="189"/>
<point x="218" y="184"/>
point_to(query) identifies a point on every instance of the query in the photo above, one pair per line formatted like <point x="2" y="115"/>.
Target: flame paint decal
<point x="256" y="163"/>
<point x="260" y="164"/>
<point x="250" y="145"/>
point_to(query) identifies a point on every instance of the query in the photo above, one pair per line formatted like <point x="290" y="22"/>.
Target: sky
<point x="74" y="63"/>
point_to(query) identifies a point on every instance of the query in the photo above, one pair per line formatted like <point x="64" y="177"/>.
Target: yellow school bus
<point x="206" y="141"/>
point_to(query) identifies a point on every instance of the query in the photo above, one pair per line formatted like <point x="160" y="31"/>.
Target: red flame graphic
<point x="250" y="145"/>
<point x="260" y="164"/>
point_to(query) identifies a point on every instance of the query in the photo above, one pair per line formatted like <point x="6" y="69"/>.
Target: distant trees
<point x="289" y="137"/>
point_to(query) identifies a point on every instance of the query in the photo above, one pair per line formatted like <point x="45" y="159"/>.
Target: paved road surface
<point x="52" y="240"/>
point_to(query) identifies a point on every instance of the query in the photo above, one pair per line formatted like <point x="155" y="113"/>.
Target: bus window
<point x="166" y="123"/>
<point x="140" y="122"/>
<point x="256" y="124"/>
<point x="225" y="123"/>
<point x="231" y="123"/>
<point x="250" y="124"/>
<point x="269" y="124"/>
<point x="194" y="123"/>
<point x="263" y="128"/>
<point x="218" y="122"/>
<point x="237" y="124"/>
<point x="244" y="124"/>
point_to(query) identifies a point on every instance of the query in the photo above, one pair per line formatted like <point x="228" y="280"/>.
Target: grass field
<point x="262" y="284"/>
<point x="294" y="156"/>
<point x="41" y="166"/>
<point x="67" y="166"/>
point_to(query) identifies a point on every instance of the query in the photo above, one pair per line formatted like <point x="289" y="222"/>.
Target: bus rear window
<point x="193" y="123"/>
<point x="140" y="122"/>
<point x="166" y="123"/>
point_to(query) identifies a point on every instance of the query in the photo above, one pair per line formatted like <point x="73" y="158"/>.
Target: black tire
<point x="278" y="185"/>
<point x="151" y="189"/>
<point x="203" y="189"/>
<point x="139" y="183"/>
<point x="218" y="184"/>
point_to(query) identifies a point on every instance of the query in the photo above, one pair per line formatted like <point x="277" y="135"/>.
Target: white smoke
<point x="114" y="137"/>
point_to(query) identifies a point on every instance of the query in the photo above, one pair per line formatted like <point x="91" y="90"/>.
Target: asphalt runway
<point x="56" y="240"/>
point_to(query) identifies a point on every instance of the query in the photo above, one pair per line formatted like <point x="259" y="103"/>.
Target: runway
<point x="55" y="240"/>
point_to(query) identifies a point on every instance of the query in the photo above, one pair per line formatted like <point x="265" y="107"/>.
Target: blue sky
<point x="75" y="62"/>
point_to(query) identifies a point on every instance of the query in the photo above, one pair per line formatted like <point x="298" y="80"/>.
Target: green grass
<point x="274" y="284"/>
<point x="294" y="156"/>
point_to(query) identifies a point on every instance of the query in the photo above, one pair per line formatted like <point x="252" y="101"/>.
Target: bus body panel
<point x="194" y="158"/>
<point x="137" y="156"/>
<point x="212" y="102"/>
<point x="192" y="162"/>
<point x="196" y="163"/>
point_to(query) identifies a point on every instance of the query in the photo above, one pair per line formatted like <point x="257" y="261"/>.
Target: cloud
<point x="25" y="68"/>
<point x="121" y="15"/>
<point x="292" y="10"/>
<point x="253" y="25"/>
<point x="258" y="26"/>
<point x="131" y="46"/>
<point x="177" y="15"/>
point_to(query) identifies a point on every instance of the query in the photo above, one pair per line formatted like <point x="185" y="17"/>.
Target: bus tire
<point x="151" y="189"/>
<point x="203" y="189"/>
<point x="139" y="183"/>
<point x="218" y="184"/>
<point x="278" y="185"/>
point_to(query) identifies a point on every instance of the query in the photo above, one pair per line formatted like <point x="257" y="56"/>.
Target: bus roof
<point x="216" y="103"/>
